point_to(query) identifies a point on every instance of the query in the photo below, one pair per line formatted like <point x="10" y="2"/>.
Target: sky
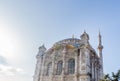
<point x="27" y="24"/>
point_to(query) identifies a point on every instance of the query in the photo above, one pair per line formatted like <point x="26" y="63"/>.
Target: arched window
<point x="59" y="68"/>
<point x="71" y="66"/>
<point x="49" y="68"/>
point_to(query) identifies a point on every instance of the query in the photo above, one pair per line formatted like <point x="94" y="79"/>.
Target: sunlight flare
<point x="8" y="43"/>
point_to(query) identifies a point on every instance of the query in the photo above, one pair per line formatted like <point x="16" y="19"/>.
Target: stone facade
<point x="71" y="59"/>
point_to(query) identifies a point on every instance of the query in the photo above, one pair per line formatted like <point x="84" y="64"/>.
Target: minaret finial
<point x="43" y="44"/>
<point x="100" y="46"/>
<point x="73" y="36"/>
<point x="99" y="38"/>
<point x="99" y="32"/>
<point x="84" y="31"/>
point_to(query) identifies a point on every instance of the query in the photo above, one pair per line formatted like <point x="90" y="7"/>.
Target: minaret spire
<point x="99" y="38"/>
<point x="73" y="36"/>
<point x="100" y="47"/>
<point x="84" y="31"/>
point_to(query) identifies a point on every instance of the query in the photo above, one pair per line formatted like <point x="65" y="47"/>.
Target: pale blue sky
<point x="27" y="24"/>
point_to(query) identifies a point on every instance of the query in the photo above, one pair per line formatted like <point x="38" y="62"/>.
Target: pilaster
<point x="42" y="69"/>
<point x="64" y="63"/>
<point x="53" y="66"/>
<point x="76" y="66"/>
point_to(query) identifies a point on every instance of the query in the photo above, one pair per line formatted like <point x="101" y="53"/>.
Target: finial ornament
<point x="43" y="45"/>
<point x="84" y="31"/>
<point x="99" y="37"/>
<point x="73" y="36"/>
<point x="99" y="33"/>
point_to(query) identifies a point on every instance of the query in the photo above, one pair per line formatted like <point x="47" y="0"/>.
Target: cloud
<point x="3" y="60"/>
<point x="10" y="71"/>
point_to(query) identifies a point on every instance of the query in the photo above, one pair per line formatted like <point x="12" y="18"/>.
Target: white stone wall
<point x="86" y="64"/>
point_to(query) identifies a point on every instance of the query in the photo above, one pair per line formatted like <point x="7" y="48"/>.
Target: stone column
<point x="92" y="68"/>
<point x="95" y="72"/>
<point x="40" y="65"/>
<point x="42" y="70"/>
<point x="76" y="67"/>
<point x="53" y="67"/>
<point x="99" y="72"/>
<point x="64" y="63"/>
<point x="80" y="63"/>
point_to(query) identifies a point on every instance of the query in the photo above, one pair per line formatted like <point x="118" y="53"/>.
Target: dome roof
<point x="69" y="41"/>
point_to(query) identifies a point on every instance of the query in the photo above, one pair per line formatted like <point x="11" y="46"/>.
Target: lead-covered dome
<point x="70" y="41"/>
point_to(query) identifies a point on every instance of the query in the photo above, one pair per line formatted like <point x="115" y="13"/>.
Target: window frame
<point x="59" y="67"/>
<point x="49" y="68"/>
<point x="71" y="66"/>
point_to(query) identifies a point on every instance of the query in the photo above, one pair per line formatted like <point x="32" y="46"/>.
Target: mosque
<point x="71" y="59"/>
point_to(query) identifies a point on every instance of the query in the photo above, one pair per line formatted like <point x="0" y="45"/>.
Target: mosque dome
<point x="75" y="42"/>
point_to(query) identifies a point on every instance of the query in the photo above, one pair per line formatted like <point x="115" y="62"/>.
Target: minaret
<point x="100" y="47"/>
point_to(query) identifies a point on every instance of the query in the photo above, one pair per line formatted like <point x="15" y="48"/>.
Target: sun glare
<point x="8" y="43"/>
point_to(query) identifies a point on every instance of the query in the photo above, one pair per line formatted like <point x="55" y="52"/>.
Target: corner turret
<point x="39" y="63"/>
<point x="85" y="38"/>
<point x="41" y="51"/>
